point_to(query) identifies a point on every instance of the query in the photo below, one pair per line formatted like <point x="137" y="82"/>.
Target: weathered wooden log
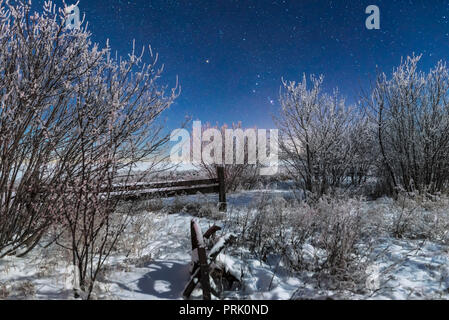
<point x="203" y="262"/>
<point x="204" y="273"/>
<point x="211" y="231"/>
<point x="200" y="265"/>
<point x="191" y="284"/>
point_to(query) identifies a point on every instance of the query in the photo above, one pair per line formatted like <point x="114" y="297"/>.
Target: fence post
<point x="221" y="189"/>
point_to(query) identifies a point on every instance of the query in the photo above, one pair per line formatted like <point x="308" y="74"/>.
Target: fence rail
<point x="164" y="185"/>
<point x="145" y="190"/>
<point x="148" y="190"/>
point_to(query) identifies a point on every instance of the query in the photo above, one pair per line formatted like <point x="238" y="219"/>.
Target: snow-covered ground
<point x="158" y="267"/>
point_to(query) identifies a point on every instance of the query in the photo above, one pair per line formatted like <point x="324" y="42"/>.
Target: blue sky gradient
<point x="230" y="55"/>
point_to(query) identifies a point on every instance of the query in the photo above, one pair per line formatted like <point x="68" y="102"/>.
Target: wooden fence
<point x="148" y="190"/>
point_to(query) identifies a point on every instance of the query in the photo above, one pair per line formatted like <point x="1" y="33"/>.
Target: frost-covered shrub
<point x="26" y="289"/>
<point x="209" y="210"/>
<point x="177" y="205"/>
<point x="264" y="228"/>
<point x="339" y="235"/>
<point x="140" y="231"/>
<point x="4" y="291"/>
<point x="19" y="290"/>
<point x="325" y="238"/>
<point x="155" y="205"/>
<point x="411" y="125"/>
<point x="325" y="143"/>
<point x="140" y="262"/>
<point x="420" y="216"/>
<point x="201" y="207"/>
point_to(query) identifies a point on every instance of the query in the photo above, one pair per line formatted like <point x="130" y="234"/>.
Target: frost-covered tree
<point x="316" y="135"/>
<point x="40" y="66"/>
<point x="72" y="119"/>
<point x="240" y="170"/>
<point x="364" y="148"/>
<point x="115" y="126"/>
<point x="411" y="113"/>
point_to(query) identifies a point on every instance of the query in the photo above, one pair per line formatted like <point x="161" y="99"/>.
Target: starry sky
<point x="230" y="55"/>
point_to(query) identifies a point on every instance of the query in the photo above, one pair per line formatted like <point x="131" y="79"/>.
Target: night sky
<point x="230" y="55"/>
